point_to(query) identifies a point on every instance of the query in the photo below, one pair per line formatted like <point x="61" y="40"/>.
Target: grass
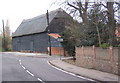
<point x="1" y="49"/>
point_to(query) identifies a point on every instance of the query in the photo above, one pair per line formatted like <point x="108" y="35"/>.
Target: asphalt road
<point x="22" y="68"/>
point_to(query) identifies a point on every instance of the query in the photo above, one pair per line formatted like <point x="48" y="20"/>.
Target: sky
<point x="17" y="10"/>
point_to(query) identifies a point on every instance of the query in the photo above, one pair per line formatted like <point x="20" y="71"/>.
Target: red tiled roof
<point x="54" y="35"/>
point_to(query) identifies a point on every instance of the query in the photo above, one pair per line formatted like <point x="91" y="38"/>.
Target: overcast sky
<point x="17" y="10"/>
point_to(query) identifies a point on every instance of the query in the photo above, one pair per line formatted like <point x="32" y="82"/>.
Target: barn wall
<point x="36" y="42"/>
<point x="57" y="25"/>
<point x="39" y="42"/>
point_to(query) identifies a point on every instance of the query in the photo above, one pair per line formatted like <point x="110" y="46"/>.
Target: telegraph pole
<point x="3" y="36"/>
<point x="49" y="33"/>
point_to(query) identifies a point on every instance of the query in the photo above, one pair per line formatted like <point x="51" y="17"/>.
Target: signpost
<point x="60" y="40"/>
<point x="47" y="16"/>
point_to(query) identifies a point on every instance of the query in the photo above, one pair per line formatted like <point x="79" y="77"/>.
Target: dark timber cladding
<point x="32" y="33"/>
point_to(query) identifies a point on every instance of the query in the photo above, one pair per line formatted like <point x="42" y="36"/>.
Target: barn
<point x="32" y="34"/>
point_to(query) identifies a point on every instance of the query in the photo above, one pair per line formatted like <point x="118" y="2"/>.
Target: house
<point x="32" y="34"/>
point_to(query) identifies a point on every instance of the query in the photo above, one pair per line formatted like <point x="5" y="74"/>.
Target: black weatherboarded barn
<point x="32" y="33"/>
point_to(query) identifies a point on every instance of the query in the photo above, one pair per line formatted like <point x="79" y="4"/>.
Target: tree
<point x="108" y="12"/>
<point x="111" y="23"/>
<point x="7" y="29"/>
<point x="81" y="7"/>
<point x="6" y="37"/>
<point x="95" y="14"/>
<point x="0" y="42"/>
<point x="98" y="21"/>
<point x="111" y="7"/>
<point x="70" y="37"/>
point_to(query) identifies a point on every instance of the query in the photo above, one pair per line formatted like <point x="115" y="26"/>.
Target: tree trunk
<point x="99" y="39"/>
<point x="111" y="23"/>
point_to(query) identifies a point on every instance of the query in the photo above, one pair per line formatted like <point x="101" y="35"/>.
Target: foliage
<point x="97" y="24"/>
<point x="95" y="32"/>
<point x="68" y="43"/>
<point x="70" y="37"/>
<point x="97" y="14"/>
<point x="6" y="40"/>
<point x="104" y="45"/>
<point x="87" y="36"/>
<point x="118" y="45"/>
<point x="6" y="44"/>
<point x="0" y="49"/>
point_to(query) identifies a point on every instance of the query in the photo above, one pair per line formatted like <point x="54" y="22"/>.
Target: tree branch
<point x="117" y="3"/>
<point x="72" y="6"/>
<point x="103" y="5"/>
<point x="80" y="6"/>
<point x="86" y="4"/>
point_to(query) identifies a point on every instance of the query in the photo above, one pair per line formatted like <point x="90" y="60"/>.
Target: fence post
<point x="111" y="58"/>
<point x="76" y="50"/>
<point x="83" y="55"/>
<point x="94" y="56"/>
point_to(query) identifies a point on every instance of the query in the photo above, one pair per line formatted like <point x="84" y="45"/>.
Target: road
<point x="32" y="69"/>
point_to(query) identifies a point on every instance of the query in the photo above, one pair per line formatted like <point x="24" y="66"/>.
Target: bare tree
<point x="7" y="37"/>
<point x="7" y="29"/>
<point x="81" y="7"/>
<point x="111" y="22"/>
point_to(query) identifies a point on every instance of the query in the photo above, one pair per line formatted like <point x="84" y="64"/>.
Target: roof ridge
<point x="42" y="15"/>
<point x="34" y="18"/>
<point x="36" y="24"/>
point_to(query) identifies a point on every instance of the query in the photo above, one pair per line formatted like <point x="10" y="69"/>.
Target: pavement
<point x="89" y="73"/>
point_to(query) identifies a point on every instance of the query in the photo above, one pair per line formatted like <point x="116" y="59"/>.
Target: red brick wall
<point x="57" y="51"/>
<point x="102" y="60"/>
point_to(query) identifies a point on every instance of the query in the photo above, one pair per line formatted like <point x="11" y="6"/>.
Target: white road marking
<point x="69" y="72"/>
<point x="23" y="67"/>
<point x="29" y="73"/>
<point x="39" y="79"/>
<point x="20" y="62"/>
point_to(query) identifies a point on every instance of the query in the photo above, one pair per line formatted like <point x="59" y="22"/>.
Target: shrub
<point x="104" y="45"/>
<point x="118" y="45"/>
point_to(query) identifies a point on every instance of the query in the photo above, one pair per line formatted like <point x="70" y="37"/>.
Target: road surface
<point x="33" y="69"/>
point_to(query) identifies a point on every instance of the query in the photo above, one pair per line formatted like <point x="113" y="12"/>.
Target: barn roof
<point x="37" y="24"/>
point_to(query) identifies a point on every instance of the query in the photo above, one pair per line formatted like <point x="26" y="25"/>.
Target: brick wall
<point x="99" y="58"/>
<point x="57" y="51"/>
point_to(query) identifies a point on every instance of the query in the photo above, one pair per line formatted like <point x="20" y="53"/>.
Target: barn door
<point x="31" y="46"/>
